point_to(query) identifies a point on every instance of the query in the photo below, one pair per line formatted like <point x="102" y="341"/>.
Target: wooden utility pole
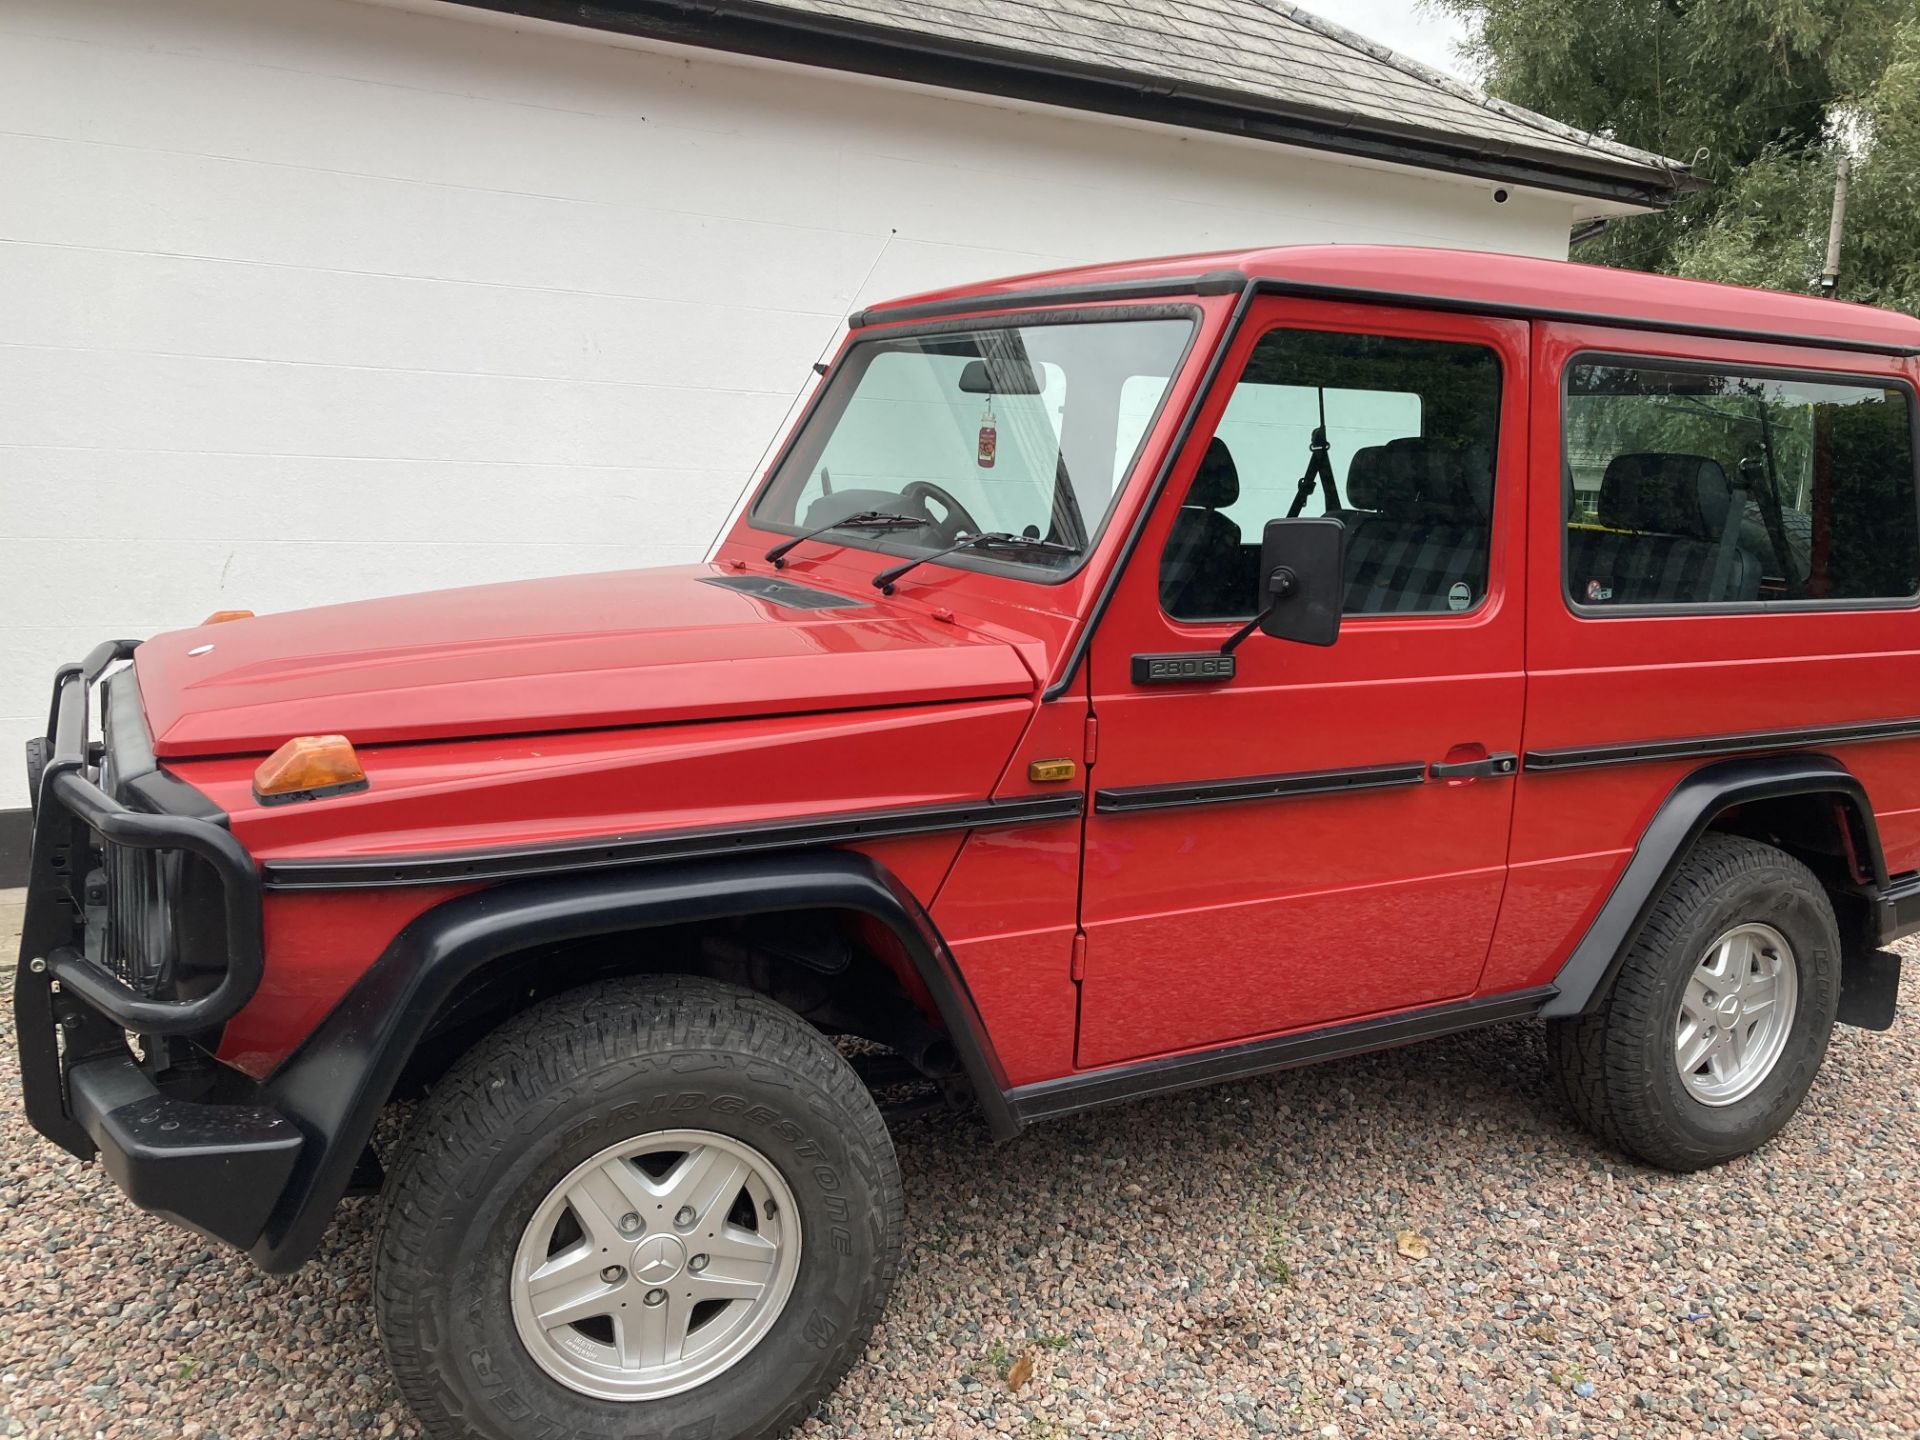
<point x="1830" y="277"/>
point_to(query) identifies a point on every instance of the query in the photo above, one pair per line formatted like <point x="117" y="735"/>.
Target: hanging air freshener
<point x="989" y="438"/>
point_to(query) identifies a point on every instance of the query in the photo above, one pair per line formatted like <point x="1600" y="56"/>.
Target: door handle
<point x="1483" y="769"/>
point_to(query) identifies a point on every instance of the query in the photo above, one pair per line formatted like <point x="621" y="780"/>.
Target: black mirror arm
<point x="1232" y="642"/>
<point x="1280" y="585"/>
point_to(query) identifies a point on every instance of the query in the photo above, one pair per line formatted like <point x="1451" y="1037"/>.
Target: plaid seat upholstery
<point x="1417" y="532"/>
<point x="1663" y="536"/>
<point x="1419" y="544"/>
<point x="1401" y="567"/>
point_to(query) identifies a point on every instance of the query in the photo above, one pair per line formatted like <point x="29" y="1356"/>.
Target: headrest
<point x="1665" y="493"/>
<point x="1217" y="483"/>
<point x="1413" y="477"/>
<point x="1369" y="486"/>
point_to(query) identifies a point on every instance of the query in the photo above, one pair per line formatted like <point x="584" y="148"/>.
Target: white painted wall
<point x="320" y="299"/>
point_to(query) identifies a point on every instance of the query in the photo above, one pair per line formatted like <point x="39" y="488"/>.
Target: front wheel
<point x="1719" y="1017"/>
<point x="654" y="1207"/>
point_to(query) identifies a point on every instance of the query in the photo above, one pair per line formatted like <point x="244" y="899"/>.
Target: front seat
<point x="1201" y="570"/>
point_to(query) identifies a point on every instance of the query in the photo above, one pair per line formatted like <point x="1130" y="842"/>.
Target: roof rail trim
<point x="1212" y="282"/>
<point x="1366" y="295"/>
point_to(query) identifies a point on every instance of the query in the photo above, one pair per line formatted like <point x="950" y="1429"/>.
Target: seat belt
<point x="1319" y="468"/>
<point x="1729" y="543"/>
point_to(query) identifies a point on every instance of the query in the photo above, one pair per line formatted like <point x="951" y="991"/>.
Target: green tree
<point x="1761" y="97"/>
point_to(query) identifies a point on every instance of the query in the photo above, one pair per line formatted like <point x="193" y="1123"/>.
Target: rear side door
<point x="1724" y="560"/>
<point x="1274" y="851"/>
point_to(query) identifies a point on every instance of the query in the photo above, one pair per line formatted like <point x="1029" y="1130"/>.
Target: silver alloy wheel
<point x="655" y="1265"/>
<point x="1736" y="1014"/>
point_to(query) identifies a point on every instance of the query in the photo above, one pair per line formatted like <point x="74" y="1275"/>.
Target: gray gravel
<point x="1217" y="1264"/>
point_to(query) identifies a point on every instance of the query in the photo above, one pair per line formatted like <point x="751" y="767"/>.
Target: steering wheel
<point x="952" y="522"/>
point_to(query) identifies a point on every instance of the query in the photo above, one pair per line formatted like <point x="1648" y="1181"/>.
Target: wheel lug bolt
<point x="697" y="1263"/>
<point x="613" y="1274"/>
<point x="685" y="1217"/>
<point x="656" y="1297"/>
<point x="629" y="1224"/>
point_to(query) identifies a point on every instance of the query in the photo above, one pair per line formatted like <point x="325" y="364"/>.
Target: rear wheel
<point x="654" y="1207"/>
<point x="1719" y="1017"/>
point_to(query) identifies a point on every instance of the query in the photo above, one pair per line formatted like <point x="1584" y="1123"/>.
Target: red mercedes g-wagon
<point x="1122" y="679"/>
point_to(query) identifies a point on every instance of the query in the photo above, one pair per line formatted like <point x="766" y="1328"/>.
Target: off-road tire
<point x="559" y="1084"/>
<point x="1616" y="1065"/>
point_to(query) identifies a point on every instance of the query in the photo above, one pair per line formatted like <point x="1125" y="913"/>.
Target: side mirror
<point x="1303" y="579"/>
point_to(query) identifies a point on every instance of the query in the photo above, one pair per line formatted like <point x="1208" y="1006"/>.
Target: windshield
<point x="1022" y="430"/>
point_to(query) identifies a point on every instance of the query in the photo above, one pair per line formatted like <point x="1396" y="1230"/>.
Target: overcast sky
<point x="1405" y="25"/>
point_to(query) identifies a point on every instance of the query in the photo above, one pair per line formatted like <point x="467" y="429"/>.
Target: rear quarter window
<point x="1690" y="486"/>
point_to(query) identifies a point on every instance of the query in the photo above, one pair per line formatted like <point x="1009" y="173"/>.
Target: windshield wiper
<point x="864" y="520"/>
<point x="883" y="582"/>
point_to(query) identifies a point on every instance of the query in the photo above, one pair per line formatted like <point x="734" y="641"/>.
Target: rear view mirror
<point x="1303" y="579"/>
<point x="1001" y="375"/>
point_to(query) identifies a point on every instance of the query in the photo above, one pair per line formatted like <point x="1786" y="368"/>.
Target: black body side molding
<point x="1686" y="812"/>
<point x="334" y="1086"/>
<point x="571" y="857"/>
<point x="1259" y="787"/>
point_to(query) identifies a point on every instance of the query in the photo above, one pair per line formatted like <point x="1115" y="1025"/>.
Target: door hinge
<point x="1079" y="970"/>
<point x="1093" y="738"/>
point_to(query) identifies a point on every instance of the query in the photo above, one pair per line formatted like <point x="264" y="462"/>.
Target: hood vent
<point x="775" y="591"/>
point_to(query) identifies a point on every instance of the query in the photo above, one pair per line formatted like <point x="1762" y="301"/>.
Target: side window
<point x="1394" y="437"/>
<point x="1702" y="486"/>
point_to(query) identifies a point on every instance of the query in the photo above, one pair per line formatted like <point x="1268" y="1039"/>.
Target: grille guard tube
<point x="64" y="786"/>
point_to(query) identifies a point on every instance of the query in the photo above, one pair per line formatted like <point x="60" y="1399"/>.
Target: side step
<point x="1047" y="1098"/>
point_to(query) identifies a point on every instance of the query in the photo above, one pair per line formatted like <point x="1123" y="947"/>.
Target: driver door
<point x="1273" y="852"/>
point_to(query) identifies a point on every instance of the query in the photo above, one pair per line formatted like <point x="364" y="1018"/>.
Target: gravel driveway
<point x="1223" y="1263"/>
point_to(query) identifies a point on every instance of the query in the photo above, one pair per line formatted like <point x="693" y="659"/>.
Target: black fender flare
<point x="1690" y="807"/>
<point x="334" y="1085"/>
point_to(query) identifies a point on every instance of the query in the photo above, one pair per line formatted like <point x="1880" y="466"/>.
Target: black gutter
<point x="829" y="42"/>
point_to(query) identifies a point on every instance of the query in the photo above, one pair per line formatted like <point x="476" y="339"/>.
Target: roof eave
<point x="771" y="32"/>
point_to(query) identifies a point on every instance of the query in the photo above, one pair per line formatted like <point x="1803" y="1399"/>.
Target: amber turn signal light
<point x="309" y="767"/>
<point x="220" y="617"/>
<point x="1050" y="770"/>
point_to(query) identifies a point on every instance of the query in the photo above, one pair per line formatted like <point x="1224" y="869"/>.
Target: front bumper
<point x="218" y="1168"/>
<point x="216" y="1165"/>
